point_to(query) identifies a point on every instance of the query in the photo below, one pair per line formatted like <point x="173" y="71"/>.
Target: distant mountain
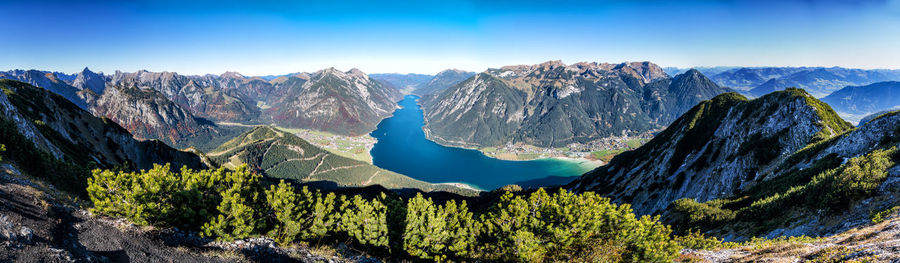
<point x="719" y="147"/>
<point x="346" y="103"/>
<point x="281" y="155"/>
<point x="819" y="81"/>
<point x="749" y="78"/>
<point x="406" y="82"/>
<point x="552" y="104"/>
<point x="59" y="127"/>
<point x="864" y="100"/>
<point x="442" y="81"/>
<point x="708" y="71"/>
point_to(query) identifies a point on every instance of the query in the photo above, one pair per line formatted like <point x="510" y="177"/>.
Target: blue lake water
<point x="403" y="148"/>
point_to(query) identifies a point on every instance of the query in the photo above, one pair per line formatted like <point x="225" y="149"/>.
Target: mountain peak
<point x="357" y="72"/>
<point x="232" y="74"/>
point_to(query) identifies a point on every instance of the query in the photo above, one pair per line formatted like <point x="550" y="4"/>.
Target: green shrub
<point x="239" y="213"/>
<point x="143" y="197"/>
<point x="697" y="240"/>
<point x="435" y="232"/>
<point x="880" y="216"/>
<point x="364" y="220"/>
<point x="570" y="225"/>
<point x="703" y="215"/>
<point x="305" y="215"/>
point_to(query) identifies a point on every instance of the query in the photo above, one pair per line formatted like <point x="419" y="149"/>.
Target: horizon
<point x="429" y="74"/>
<point x="423" y="37"/>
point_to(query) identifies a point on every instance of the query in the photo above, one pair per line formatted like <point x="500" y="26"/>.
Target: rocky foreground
<point x="39" y="224"/>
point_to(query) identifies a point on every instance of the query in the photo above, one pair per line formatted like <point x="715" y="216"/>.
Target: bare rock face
<point x="203" y="96"/>
<point x="347" y="103"/>
<point x="147" y="114"/>
<point x="75" y="134"/>
<point x="553" y="104"/>
<point x="716" y="149"/>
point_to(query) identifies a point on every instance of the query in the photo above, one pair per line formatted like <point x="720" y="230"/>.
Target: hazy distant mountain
<point x="707" y="71"/>
<point x="553" y="104"/>
<point x="819" y="81"/>
<point x="857" y="101"/>
<point x="442" y="81"/>
<point x="405" y="82"/>
<point x="823" y="81"/>
<point x="347" y="103"/>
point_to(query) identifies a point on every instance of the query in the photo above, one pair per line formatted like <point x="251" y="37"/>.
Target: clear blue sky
<point x="273" y="37"/>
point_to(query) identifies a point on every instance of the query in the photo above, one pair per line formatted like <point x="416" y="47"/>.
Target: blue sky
<point x="274" y="37"/>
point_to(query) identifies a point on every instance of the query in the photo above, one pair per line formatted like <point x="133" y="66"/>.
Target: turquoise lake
<point x="403" y="148"/>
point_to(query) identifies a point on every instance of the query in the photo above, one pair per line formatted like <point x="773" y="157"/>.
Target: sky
<point x="280" y="37"/>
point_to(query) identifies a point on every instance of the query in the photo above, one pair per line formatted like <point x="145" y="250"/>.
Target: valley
<point x="701" y="156"/>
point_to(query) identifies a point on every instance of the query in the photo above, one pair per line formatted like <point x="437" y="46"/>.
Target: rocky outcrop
<point x="718" y="148"/>
<point x="553" y="104"/>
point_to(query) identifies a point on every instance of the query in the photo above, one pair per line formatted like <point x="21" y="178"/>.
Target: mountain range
<point x="819" y="81"/>
<point x="553" y="104"/>
<point x="181" y="109"/>
<point x="857" y="101"/>
<point x="423" y="85"/>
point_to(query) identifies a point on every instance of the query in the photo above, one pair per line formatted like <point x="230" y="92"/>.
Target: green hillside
<point x="278" y="154"/>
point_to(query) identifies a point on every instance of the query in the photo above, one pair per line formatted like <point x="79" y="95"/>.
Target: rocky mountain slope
<point x="781" y="165"/>
<point x="49" y="81"/>
<point x="55" y="125"/>
<point x="553" y="104"/>
<point x="864" y="100"/>
<point x="442" y="81"/>
<point x="714" y="150"/>
<point x="203" y="96"/>
<point x="147" y="114"/>
<point x="281" y="155"/>
<point x="345" y="103"/>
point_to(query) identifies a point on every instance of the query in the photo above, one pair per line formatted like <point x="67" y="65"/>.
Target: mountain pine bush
<point x="304" y="215"/>
<point x="434" y="232"/>
<point x="364" y="220"/>
<point x="565" y="226"/>
<point x="240" y="210"/>
<point x="229" y="205"/>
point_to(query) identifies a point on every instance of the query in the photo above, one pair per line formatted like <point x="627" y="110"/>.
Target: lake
<point x="403" y="148"/>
